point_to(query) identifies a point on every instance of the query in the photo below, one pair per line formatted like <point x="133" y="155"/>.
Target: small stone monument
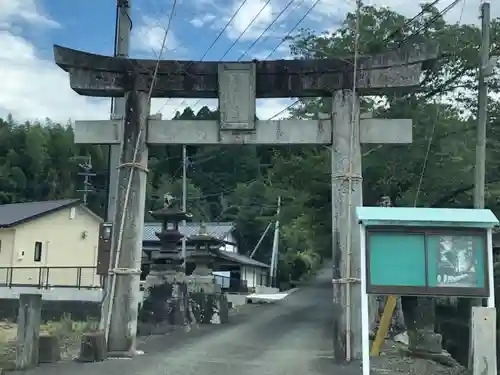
<point x="209" y="305"/>
<point x="166" y="295"/>
<point x="424" y="342"/>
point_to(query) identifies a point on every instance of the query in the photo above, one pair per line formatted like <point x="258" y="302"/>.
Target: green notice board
<point x="422" y="261"/>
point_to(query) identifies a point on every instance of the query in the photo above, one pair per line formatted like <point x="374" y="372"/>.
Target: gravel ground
<point x="291" y="337"/>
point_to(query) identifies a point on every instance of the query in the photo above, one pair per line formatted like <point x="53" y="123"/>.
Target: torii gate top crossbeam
<point x="104" y="76"/>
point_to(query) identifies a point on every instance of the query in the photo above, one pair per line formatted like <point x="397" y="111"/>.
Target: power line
<point x="215" y="40"/>
<point x="266" y="29"/>
<point x="407" y="23"/>
<point x="246" y="29"/>
<point x="234" y="43"/>
<point x="297" y="6"/>
<point x="294" y="28"/>
<point x="433" y="130"/>
<point x="261" y="35"/>
<point x="427" y="24"/>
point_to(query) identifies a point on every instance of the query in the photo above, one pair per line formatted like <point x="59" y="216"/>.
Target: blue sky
<point x="33" y="87"/>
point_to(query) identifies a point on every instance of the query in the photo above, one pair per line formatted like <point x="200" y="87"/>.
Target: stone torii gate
<point x="237" y="85"/>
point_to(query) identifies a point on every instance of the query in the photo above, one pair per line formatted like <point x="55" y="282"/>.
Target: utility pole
<point x="482" y="120"/>
<point x="482" y="113"/>
<point x="87" y="173"/>
<point x="274" y="256"/>
<point x="122" y="45"/>
<point x="122" y="42"/>
<point x="184" y="200"/>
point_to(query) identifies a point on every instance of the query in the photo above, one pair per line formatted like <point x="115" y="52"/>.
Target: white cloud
<point x="148" y="36"/>
<point x="28" y="11"/>
<point x="33" y="88"/>
<point x="273" y="108"/>
<point x="245" y="17"/>
<point x="202" y="21"/>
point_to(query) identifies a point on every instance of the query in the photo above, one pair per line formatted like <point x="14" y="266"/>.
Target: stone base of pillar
<point x="209" y="308"/>
<point x="207" y="303"/>
<point x="419" y="317"/>
<point x="165" y="304"/>
<point x="421" y="340"/>
<point x="173" y="299"/>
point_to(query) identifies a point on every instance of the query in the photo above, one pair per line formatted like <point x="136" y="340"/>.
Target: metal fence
<point x="51" y="277"/>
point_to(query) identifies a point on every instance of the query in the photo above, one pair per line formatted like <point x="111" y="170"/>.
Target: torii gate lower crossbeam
<point x="237" y="86"/>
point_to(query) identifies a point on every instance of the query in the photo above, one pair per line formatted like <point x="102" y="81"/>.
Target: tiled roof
<point x="217" y="230"/>
<point x="16" y="213"/>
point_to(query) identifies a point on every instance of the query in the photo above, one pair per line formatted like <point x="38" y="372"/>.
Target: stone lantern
<point x="205" y="252"/>
<point x="169" y="257"/>
<point x="166" y="296"/>
<point x="208" y="302"/>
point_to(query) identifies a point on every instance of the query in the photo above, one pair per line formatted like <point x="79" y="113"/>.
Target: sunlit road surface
<point x="290" y="337"/>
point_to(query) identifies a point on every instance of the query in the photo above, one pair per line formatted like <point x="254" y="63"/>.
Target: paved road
<point x="291" y="337"/>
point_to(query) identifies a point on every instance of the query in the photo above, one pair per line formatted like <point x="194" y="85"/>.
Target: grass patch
<point x="66" y="330"/>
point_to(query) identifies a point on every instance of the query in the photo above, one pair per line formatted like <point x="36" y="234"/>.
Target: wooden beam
<point x="104" y="76"/>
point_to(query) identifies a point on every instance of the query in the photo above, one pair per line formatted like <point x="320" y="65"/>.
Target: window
<point x="38" y="251"/>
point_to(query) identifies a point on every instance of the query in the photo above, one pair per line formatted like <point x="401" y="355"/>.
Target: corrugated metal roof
<point x="419" y="216"/>
<point x="242" y="259"/>
<point x="217" y="230"/>
<point x="16" y="213"/>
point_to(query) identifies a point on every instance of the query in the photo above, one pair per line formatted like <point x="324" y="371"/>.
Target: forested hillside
<point x="242" y="183"/>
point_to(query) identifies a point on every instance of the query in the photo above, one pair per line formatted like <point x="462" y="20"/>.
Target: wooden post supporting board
<point x="28" y="330"/>
<point x="484" y="357"/>
<point x="383" y="328"/>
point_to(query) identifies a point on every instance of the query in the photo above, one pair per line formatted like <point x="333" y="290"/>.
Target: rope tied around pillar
<point x="348" y="176"/>
<point x="134" y="165"/>
<point x="346" y="280"/>
<point x="125" y="271"/>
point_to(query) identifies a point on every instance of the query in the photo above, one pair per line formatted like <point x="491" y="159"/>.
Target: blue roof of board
<point x="409" y="216"/>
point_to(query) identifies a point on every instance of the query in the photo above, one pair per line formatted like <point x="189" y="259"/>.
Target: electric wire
<point x="215" y="40"/>
<point x="266" y="29"/>
<point x="405" y="40"/>
<point x="297" y="24"/>
<point x="311" y="8"/>
<point x="431" y="137"/>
